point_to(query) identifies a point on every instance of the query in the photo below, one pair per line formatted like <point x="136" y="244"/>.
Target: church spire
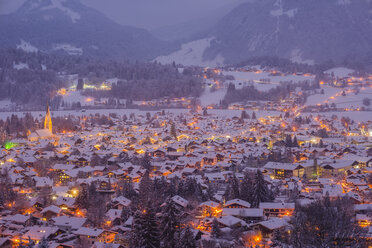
<point x="48" y="120"/>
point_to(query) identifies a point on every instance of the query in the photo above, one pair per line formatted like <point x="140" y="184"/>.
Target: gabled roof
<point x="85" y="231"/>
<point x="273" y="223"/>
<point x="243" y="212"/>
<point x="51" y="208"/>
<point x="276" y="205"/>
<point x="38" y="232"/>
<point x="238" y="202"/>
<point x="230" y="221"/>
<point x="71" y="222"/>
<point x="180" y="201"/>
<point x="282" y="166"/>
<point x="211" y="204"/>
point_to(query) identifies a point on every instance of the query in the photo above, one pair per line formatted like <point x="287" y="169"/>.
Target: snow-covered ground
<point x="27" y="47"/>
<point x="192" y="54"/>
<point x="68" y="48"/>
<point x="76" y="96"/>
<point x="322" y="98"/>
<point x="5" y="104"/>
<point x="334" y="95"/>
<point x="58" y="4"/>
<point x="263" y="80"/>
<point x="358" y="116"/>
<point x="297" y="57"/>
<point x="20" y="66"/>
<point x="340" y="72"/>
<point x="210" y="98"/>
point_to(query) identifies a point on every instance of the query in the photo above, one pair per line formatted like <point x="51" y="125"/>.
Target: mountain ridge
<point x="303" y="31"/>
<point x="59" y="25"/>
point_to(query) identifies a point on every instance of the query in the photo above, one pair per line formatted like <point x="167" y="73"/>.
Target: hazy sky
<point x="148" y="14"/>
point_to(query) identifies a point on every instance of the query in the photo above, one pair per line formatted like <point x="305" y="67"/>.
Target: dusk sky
<point x="149" y="14"/>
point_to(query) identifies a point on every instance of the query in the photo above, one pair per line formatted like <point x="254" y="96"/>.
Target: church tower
<point x="48" y="120"/>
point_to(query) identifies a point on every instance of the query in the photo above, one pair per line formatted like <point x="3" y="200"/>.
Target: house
<point x="50" y="212"/>
<point x="36" y="233"/>
<point x="266" y="228"/>
<point x="68" y="223"/>
<point x="19" y="219"/>
<point x="179" y="201"/>
<point x="92" y="235"/>
<point x="283" y="170"/>
<point x="121" y="202"/>
<point x="246" y="214"/>
<point x="113" y="216"/>
<point x="237" y="203"/>
<point x="335" y="168"/>
<point x="277" y="209"/>
<point x="41" y="134"/>
<point x="230" y="221"/>
<point x="209" y="209"/>
<point x="5" y="243"/>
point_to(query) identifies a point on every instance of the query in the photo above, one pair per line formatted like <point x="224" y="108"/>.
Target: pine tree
<point x="326" y="223"/>
<point x="246" y="189"/>
<point x="261" y="192"/>
<point x="254" y="115"/>
<point x="187" y="239"/>
<point x="288" y="141"/>
<point x="232" y="190"/>
<point x="173" y="132"/>
<point x="146" y="161"/>
<point x="244" y="115"/>
<point x="145" y="232"/>
<point x="82" y="200"/>
<point x="80" y="85"/>
<point x="44" y="196"/>
<point x="295" y="142"/>
<point x="235" y="192"/>
<point x="145" y="189"/>
<point x="215" y="232"/>
<point x="169" y="224"/>
<point x="43" y="243"/>
<point x="31" y="243"/>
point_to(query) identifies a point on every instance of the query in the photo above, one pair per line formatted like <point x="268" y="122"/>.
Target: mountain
<point x="301" y="30"/>
<point x="67" y="26"/>
<point x="198" y="25"/>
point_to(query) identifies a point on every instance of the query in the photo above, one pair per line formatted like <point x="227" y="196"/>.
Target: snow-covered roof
<point x="238" y="202"/>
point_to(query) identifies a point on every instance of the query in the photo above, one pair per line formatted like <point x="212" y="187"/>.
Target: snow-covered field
<point x="322" y="98"/>
<point x="334" y="95"/>
<point x="358" y="116"/>
<point x="75" y="96"/>
<point x="192" y="54"/>
<point x="210" y="98"/>
<point x="5" y="104"/>
<point x="263" y="80"/>
<point x="340" y="71"/>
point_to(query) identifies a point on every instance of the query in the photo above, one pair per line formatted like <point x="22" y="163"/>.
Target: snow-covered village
<point x="185" y="124"/>
<point x="199" y="176"/>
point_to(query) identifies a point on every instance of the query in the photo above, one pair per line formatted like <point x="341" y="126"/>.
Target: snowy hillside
<point x="192" y="54"/>
<point x="300" y="30"/>
<point x="69" y="27"/>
